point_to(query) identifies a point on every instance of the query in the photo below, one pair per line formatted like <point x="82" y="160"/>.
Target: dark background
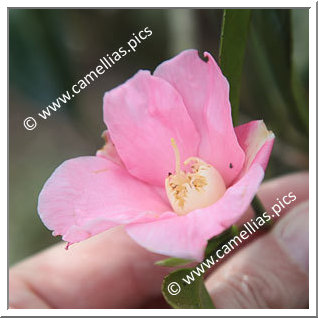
<point x="50" y="50"/>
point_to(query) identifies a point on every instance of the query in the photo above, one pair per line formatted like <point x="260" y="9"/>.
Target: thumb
<point x="271" y="272"/>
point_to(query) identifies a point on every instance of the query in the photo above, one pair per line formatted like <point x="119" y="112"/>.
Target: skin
<point x="112" y="271"/>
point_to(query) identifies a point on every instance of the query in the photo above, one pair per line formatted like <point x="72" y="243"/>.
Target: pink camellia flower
<point x="174" y="171"/>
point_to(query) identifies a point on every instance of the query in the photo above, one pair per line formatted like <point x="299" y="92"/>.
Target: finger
<point x="106" y="271"/>
<point x="271" y="272"/>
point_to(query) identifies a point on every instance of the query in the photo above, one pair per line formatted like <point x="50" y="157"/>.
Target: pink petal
<point x="186" y="236"/>
<point x="88" y="195"/>
<point x="205" y="92"/>
<point x="257" y="143"/>
<point x="142" y="116"/>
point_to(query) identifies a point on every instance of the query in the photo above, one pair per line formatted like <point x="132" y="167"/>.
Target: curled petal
<point x="257" y="142"/>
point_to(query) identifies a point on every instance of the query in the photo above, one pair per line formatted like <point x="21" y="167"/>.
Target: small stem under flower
<point x="259" y="209"/>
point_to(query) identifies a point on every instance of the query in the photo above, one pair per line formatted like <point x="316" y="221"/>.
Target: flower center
<point x="200" y="187"/>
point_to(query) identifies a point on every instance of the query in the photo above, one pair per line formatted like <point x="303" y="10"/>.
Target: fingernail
<point x="292" y="233"/>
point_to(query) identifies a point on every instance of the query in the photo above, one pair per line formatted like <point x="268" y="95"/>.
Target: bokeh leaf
<point x="271" y="37"/>
<point x="181" y="295"/>
<point x="38" y="57"/>
<point x="299" y="63"/>
<point x="232" y="50"/>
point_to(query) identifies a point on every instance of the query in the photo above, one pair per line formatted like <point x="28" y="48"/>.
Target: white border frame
<point x="312" y="161"/>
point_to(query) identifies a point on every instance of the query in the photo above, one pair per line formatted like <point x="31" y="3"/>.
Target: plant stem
<point x="259" y="209"/>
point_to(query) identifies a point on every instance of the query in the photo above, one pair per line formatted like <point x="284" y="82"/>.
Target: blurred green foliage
<point x="49" y="50"/>
<point x="274" y="55"/>
<point x="234" y="34"/>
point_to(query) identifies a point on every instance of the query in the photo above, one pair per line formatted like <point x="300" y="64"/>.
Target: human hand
<point x="112" y="271"/>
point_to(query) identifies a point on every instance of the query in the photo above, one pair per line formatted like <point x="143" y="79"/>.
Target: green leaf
<point x="173" y="261"/>
<point x="232" y="50"/>
<point x="181" y="295"/>
<point x="218" y="241"/>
